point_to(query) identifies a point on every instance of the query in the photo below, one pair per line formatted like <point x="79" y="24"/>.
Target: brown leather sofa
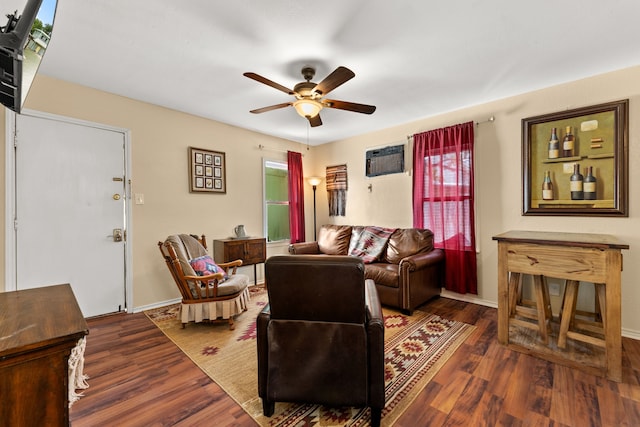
<point x="409" y="272"/>
<point x="321" y="338"/>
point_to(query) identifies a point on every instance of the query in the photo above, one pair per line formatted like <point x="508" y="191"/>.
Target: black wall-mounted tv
<point x="23" y="43"/>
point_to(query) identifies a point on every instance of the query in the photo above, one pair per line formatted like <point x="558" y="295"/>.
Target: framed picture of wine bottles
<point x="575" y="162"/>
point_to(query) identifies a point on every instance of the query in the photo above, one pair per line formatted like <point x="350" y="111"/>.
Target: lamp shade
<point x="307" y="107"/>
<point x="314" y="180"/>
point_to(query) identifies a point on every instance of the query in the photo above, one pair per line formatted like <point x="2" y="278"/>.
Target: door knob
<point x="116" y="196"/>
<point x="117" y="235"/>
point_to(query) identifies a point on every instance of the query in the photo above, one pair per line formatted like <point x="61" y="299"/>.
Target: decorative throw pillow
<point x="371" y="243"/>
<point x="356" y="232"/>
<point x="204" y="266"/>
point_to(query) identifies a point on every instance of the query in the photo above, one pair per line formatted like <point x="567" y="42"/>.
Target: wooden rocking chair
<point x="206" y="295"/>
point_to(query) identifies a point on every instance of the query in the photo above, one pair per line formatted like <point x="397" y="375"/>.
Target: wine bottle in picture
<point x="576" y="184"/>
<point x="554" y="145"/>
<point x="568" y="143"/>
<point x="547" y="187"/>
<point x="589" y="184"/>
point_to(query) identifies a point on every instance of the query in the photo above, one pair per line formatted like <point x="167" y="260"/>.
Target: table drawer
<point x="573" y="263"/>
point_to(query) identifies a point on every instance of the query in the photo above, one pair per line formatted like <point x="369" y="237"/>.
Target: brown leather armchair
<point x="321" y="338"/>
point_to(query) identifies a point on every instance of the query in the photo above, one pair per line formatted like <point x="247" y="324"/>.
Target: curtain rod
<point x="489" y="120"/>
<point x="277" y="150"/>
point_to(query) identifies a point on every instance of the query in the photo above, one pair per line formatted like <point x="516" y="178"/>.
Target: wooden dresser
<point x="252" y="251"/>
<point x="38" y="329"/>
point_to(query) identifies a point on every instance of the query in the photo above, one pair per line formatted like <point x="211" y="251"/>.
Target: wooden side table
<point x="594" y="258"/>
<point x="38" y="329"/>
<point x="252" y="251"/>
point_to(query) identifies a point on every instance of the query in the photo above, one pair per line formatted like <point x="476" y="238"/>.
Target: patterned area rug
<point x="415" y="348"/>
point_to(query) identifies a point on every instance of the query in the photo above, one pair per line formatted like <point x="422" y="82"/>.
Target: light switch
<point x="139" y="198"/>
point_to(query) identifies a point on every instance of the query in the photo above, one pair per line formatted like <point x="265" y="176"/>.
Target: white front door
<point x="70" y="196"/>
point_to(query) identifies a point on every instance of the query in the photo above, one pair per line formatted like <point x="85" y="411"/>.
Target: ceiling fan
<point x="310" y="96"/>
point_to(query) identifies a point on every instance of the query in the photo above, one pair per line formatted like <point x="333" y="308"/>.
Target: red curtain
<point x="443" y="199"/>
<point x="296" y="197"/>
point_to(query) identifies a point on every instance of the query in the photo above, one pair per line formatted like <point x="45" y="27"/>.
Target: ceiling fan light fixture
<point x="309" y="96"/>
<point x="307" y="107"/>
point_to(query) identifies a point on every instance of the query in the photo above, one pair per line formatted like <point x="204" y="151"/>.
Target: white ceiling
<point x="412" y="58"/>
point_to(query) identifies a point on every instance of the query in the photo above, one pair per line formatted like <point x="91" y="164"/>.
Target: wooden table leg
<point x="568" y="310"/>
<point x="612" y="316"/>
<point x="515" y="290"/>
<point x="503" y="295"/>
<point x="601" y="303"/>
<point x="542" y="307"/>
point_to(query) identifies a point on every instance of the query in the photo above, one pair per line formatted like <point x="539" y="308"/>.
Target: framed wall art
<point x="575" y="162"/>
<point x="207" y="171"/>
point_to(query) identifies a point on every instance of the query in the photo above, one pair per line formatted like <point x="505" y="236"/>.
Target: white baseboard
<point x="467" y="298"/>
<point x="156" y="305"/>
<point x="629" y="333"/>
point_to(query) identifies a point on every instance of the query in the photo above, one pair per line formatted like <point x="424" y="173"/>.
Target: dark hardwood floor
<point x="140" y="378"/>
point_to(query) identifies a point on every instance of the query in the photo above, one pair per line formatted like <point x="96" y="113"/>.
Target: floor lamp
<point x="314" y="181"/>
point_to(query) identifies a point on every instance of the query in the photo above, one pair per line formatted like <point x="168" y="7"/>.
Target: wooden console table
<point x="38" y="329"/>
<point x="594" y="258"/>
<point x="252" y="251"/>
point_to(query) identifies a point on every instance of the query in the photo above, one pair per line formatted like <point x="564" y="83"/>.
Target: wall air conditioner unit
<point x="384" y="161"/>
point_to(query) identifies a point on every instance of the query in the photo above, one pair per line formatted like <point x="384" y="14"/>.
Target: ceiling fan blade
<point x="349" y="106"/>
<point x="339" y="76"/>
<point x="268" y="82"/>
<point x="315" y="121"/>
<point x="271" y="107"/>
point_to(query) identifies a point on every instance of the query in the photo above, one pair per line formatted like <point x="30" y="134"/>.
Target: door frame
<point x="10" y="283"/>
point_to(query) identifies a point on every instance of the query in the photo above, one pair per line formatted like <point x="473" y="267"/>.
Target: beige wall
<point x="160" y="138"/>
<point x="498" y="178"/>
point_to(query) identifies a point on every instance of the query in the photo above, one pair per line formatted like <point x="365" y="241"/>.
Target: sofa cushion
<point x="334" y="239"/>
<point x="405" y="242"/>
<point x="234" y="284"/>
<point x="383" y="273"/>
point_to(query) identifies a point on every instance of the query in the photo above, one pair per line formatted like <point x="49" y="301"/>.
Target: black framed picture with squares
<point x="207" y="171"/>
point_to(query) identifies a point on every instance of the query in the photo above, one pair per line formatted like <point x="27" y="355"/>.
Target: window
<point x="447" y="193"/>
<point x="276" y="201"/>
